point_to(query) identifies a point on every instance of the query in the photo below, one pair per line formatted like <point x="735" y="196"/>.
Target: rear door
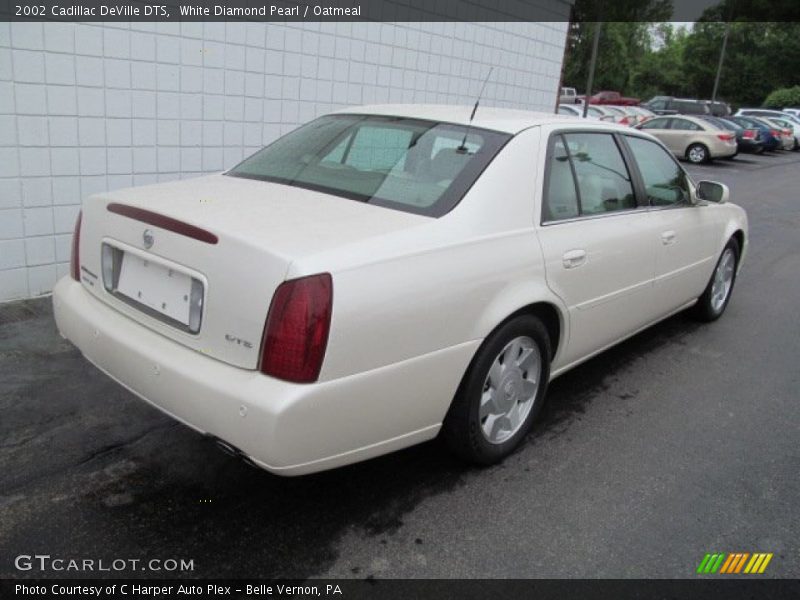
<point x="660" y="127"/>
<point x="596" y="240"/>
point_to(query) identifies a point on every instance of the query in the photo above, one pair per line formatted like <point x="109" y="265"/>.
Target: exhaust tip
<point x="226" y="447"/>
<point x="232" y="450"/>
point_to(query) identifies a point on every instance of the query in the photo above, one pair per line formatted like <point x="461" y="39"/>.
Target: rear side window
<point x="685" y="125"/>
<point x="664" y="181"/>
<point x="587" y="176"/>
<point x="655" y="124"/>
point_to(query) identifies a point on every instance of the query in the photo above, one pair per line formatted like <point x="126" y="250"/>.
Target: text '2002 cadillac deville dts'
<point x="384" y="275"/>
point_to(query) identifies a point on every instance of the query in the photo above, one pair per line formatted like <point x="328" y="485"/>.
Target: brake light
<point x="296" y="332"/>
<point x="774" y="133"/>
<point x="624" y="121"/>
<point x="75" y="257"/>
<point x="750" y="134"/>
<point x="787" y="132"/>
<point x="726" y="137"/>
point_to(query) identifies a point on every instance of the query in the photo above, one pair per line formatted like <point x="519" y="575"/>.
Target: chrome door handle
<point x="668" y="237"/>
<point x="574" y="258"/>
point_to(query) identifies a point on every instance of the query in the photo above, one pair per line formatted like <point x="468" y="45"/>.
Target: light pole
<point x="721" y="59"/>
<point x="590" y="80"/>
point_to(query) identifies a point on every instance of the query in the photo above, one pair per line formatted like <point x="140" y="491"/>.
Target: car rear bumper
<point x="720" y="149"/>
<point x="289" y="429"/>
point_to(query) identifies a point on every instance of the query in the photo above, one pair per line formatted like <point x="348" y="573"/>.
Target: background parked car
<point x="719" y="109"/>
<point x="795" y="112"/>
<point x="604" y="113"/>
<point x="692" y="138"/>
<point x="747" y="140"/>
<point x="766" y="112"/>
<point x="611" y="97"/>
<point x="770" y="138"/>
<point x="790" y="126"/>
<point x="644" y="113"/>
<point x="667" y="105"/>
<point x="568" y="96"/>
<point x="629" y="116"/>
<point x="575" y="110"/>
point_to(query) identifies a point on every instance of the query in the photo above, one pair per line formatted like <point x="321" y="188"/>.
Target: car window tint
<point x="603" y="181"/>
<point x="561" y="197"/>
<point x="379" y="148"/>
<point x="565" y="111"/>
<point x="418" y="166"/>
<point x="664" y="180"/>
<point x="685" y="125"/>
<point x="655" y="124"/>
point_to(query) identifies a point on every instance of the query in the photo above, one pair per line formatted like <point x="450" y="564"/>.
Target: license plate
<point x="163" y="290"/>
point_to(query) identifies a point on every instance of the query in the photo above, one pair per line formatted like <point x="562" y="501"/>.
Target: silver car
<point x="691" y="138"/>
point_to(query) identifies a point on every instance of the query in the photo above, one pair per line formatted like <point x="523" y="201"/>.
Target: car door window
<point x="587" y="176"/>
<point x="561" y="196"/>
<point x="656" y="124"/>
<point x="664" y="180"/>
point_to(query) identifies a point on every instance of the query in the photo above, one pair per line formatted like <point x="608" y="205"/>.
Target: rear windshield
<point x="421" y="167"/>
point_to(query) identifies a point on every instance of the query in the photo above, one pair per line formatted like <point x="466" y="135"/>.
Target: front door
<point x="686" y="235"/>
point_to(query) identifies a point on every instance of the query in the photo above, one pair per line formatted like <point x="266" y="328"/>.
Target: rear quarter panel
<point x="445" y="283"/>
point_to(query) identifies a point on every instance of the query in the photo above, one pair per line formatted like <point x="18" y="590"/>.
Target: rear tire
<point x="697" y="154"/>
<point x="501" y="393"/>
<point x="714" y="300"/>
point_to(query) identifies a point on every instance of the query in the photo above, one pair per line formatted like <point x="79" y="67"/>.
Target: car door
<point x="595" y="239"/>
<point x="682" y="132"/>
<point x="659" y="127"/>
<point x="686" y="234"/>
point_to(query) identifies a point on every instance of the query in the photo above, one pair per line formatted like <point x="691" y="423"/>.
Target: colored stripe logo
<point x="734" y="563"/>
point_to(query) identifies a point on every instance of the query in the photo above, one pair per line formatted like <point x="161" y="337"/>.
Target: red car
<point x="606" y="97"/>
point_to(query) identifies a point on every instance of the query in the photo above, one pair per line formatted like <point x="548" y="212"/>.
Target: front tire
<point x="715" y="298"/>
<point x="697" y="154"/>
<point x="501" y="393"/>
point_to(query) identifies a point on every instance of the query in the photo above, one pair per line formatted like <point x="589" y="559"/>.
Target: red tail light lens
<point x="75" y="257"/>
<point x="624" y="121"/>
<point x="296" y="333"/>
<point x="775" y="133"/>
<point x="750" y="134"/>
<point x="726" y="137"/>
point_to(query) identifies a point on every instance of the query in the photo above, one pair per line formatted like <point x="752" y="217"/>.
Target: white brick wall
<point x="90" y="107"/>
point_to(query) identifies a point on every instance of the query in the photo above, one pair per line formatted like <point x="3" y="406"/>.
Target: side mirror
<point x="713" y="192"/>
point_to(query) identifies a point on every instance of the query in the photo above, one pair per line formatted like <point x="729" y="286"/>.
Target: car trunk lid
<point x="222" y="242"/>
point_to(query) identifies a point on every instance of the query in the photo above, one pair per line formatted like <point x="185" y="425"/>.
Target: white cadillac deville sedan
<point x="383" y="275"/>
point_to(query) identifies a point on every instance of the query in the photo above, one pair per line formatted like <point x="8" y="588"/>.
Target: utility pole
<point x="721" y="59"/>
<point x="590" y="80"/>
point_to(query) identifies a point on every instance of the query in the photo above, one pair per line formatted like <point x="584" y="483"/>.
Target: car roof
<point x="506" y="120"/>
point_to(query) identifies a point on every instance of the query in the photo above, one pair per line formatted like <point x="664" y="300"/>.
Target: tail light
<point x="296" y="332"/>
<point x="75" y="257"/>
<point x="787" y="132"/>
<point x="726" y="137"/>
<point x="624" y="121"/>
<point x="749" y="134"/>
<point x="775" y="133"/>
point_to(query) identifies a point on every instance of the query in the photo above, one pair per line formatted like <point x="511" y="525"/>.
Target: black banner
<point x="481" y="589"/>
<point x="394" y="10"/>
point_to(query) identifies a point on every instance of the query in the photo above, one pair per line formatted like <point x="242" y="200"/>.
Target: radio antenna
<point x="463" y="147"/>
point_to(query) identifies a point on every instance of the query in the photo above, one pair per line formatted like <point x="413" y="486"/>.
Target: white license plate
<point x="161" y="289"/>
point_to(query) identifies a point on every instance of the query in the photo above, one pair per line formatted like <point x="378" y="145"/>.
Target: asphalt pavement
<point x="681" y="441"/>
